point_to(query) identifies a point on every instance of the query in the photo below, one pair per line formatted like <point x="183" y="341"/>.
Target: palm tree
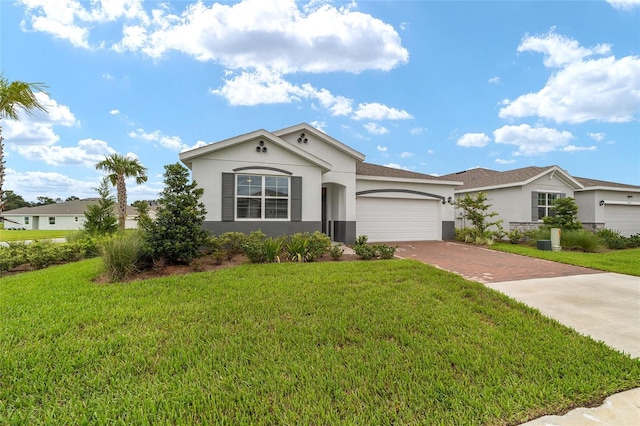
<point x="119" y="168"/>
<point x="15" y="96"/>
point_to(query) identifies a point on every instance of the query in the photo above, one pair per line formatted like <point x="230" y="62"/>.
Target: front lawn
<point x="24" y="235"/>
<point x="620" y="261"/>
<point x="382" y="342"/>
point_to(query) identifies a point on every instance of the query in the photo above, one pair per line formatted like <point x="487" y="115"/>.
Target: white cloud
<point x="598" y="137"/>
<point x="406" y="154"/>
<point x="501" y="161"/>
<point x="396" y="166"/>
<point x="574" y="148"/>
<point x="532" y="140"/>
<point x="415" y="131"/>
<point x="70" y="20"/>
<point x="603" y="89"/>
<point x="494" y="80"/>
<point x="375" y="129"/>
<point x="320" y="125"/>
<point x="624" y="4"/>
<point x="477" y="140"/>
<point x="38" y="129"/>
<point x="32" y="185"/>
<point x="382" y="148"/>
<point x="560" y="50"/>
<point x="114" y="112"/>
<point x="88" y="152"/>
<point x="248" y="34"/>
<point x="377" y="111"/>
<point x="172" y="142"/>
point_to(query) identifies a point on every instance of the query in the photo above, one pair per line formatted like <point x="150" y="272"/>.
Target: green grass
<point x="327" y="343"/>
<point x="23" y="235"/>
<point x="620" y="261"/>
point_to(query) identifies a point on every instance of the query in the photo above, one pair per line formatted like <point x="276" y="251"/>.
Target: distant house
<point x="522" y="197"/>
<point x="300" y="179"/>
<point x="59" y="216"/>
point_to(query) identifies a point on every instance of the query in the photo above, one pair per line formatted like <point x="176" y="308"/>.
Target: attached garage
<point x="397" y="219"/>
<point x="622" y="218"/>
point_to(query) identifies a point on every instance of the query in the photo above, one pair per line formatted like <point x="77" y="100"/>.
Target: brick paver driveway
<point x="482" y="264"/>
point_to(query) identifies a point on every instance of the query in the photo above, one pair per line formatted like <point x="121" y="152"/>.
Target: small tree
<point x="475" y="208"/>
<point x="99" y="217"/>
<point x="142" y="207"/>
<point x="176" y="234"/>
<point x="566" y="215"/>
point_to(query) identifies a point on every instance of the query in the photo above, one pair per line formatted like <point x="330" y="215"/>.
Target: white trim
<point x="620" y="203"/>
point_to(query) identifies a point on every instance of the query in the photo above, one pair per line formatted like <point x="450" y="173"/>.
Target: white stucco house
<point x="58" y="216"/>
<point x="522" y="197"/>
<point x="300" y="179"/>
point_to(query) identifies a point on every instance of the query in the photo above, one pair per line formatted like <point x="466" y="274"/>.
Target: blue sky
<point x="429" y="86"/>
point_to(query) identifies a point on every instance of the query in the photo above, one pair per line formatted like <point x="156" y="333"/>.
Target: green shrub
<point x="633" y="241"/>
<point x="579" y="240"/>
<point x="219" y="256"/>
<point x="540" y="233"/>
<point x="297" y="247"/>
<point x="121" y="254"/>
<point x="515" y="236"/>
<point x="272" y="248"/>
<point x="385" y="251"/>
<point x="612" y="239"/>
<point x="12" y="255"/>
<point x="232" y="242"/>
<point x="41" y="254"/>
<point x="365" y="251"/>
<point x="336" y="251"/>
<point x="318" y="245"/>
<point x="361" y="240"/>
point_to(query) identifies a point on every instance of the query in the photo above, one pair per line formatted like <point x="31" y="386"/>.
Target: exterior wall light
<point x="601" y="202"/>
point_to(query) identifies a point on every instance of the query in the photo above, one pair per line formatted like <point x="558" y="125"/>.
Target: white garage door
<point x="625" y="219"/>
<point x="396" y="219"/>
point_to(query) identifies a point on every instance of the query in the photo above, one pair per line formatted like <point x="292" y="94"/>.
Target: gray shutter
<point x="534" y="206"/>
<point x="228" y="196"/>
<point x="296" y="198"/>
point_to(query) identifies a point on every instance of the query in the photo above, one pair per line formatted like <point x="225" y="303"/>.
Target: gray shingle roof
<point x="589" y="183"/>
<point x="368" y="169"/>
<point x="480" y="178"/>
<point x="71" y="208"/>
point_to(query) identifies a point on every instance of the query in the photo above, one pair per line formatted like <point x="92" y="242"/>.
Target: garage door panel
<point x="393" y="219"/>
<point x="623" y="218"/>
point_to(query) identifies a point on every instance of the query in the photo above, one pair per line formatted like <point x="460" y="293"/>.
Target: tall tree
<point x="15" y="96"/>
<point x="99" y="217"/>
<point x="12" y="200"/>
<point x="119" y="168"/>
<point x="176" y="234"/>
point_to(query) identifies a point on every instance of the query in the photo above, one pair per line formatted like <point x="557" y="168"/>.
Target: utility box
<point x="555" y="239"/>
<point x="544" y="245"/>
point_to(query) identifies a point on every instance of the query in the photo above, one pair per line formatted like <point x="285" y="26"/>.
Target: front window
<point x="52" y="220"/>
<point x="26" y="220"/>
<point x="262" y="197"/>
<point x="546" y="204"/>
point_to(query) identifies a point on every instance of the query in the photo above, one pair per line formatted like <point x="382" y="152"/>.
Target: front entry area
<point x="396" y="219"/>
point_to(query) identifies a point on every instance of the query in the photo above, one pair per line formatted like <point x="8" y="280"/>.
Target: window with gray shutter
<point x="296" y="198"/>
<point x="228" y="196"/>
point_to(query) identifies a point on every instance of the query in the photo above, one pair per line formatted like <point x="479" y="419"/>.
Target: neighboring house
<point x="300" y="179"/>
<point x="522" y="197"/>
<point x="59" y="216"/>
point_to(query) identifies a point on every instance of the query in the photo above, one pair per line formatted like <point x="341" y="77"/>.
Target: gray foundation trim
<point x="273" y="169"/>
<point x="272" y="229"/>
<point x="404" y="191"/>
<point x="344" y="231"/>
<point x="448" y="230"/>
